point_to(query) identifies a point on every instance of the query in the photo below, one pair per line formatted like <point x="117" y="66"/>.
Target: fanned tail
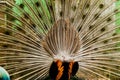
<point x="35" y="32"/>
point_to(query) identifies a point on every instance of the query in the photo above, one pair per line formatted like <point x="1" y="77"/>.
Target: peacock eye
<point x="61" y="13"/>
<point x="109" y="19"/>
<point x="5" y="46"/>
<point x="21" y="6"/>
<point x="37" y="4"/>
<point x="103" y="29"/>
<point x="7" y="32"/>
<point x="91" y="26"/>
<point x="101" y="6"/>
<point x="84" y="16"/>
<point x="87" y="5"/>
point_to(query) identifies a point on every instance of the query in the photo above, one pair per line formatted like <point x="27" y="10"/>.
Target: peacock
<point x="60" y="39"/>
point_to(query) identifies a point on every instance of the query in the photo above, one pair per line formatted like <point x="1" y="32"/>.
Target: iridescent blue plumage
<point x="4" y="74"/>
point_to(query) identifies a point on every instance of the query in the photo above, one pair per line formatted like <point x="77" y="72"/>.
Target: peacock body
<point x="60" y="39"/>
